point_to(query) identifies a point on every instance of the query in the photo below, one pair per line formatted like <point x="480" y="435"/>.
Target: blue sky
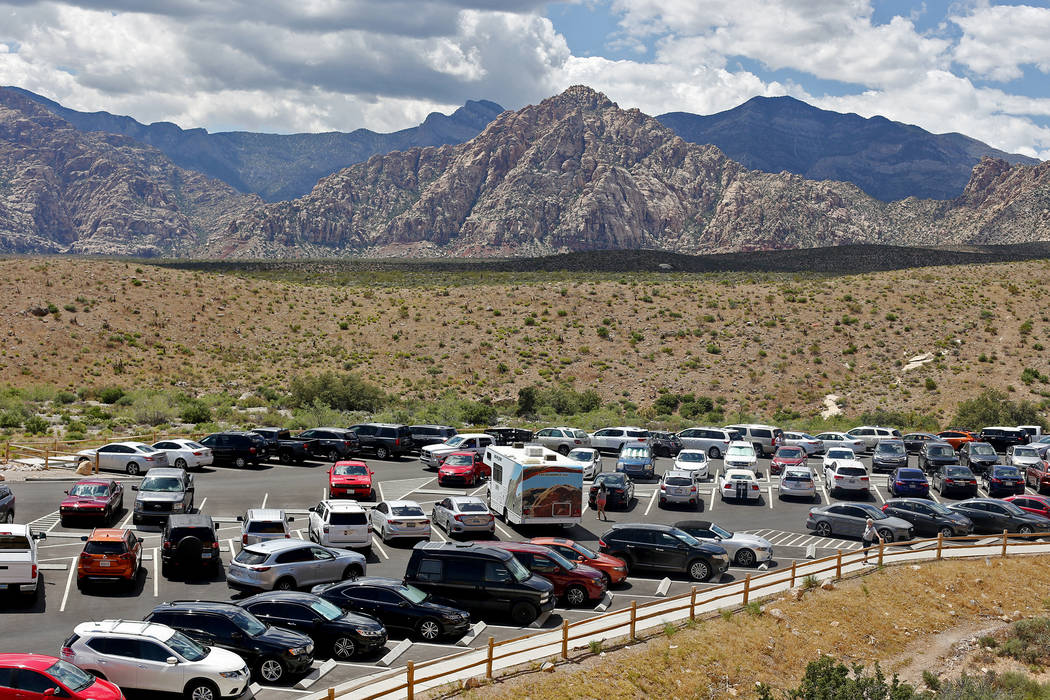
<point x="977" y="67"/>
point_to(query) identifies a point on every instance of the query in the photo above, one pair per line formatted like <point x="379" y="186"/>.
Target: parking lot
<point x="224" y="493"/>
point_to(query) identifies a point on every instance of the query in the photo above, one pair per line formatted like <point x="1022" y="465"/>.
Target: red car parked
<point x="101" y="499"/>
<point x="1040" y="505"/>
<point x="613" y="568"/>
<point x="576" y="583"/>
<point x="350" y="478"/>
<point x="39" y="676"/>
<point x="787" y="456"/>
<point x="467" y="468"/>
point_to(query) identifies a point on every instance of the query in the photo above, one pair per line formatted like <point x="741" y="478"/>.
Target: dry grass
<point x="879" y="617"/>
<point x="762" y="344"/>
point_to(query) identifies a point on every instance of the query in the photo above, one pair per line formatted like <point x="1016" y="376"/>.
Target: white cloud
<point x="998" y="40"/>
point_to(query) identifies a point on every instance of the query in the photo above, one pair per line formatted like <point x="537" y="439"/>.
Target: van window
<point x="761" y="433"/>
<point x="497" y="473"/>
<point x="463" y="570"/>
<point x="497" y="573"/>
<point x="348" y="518"/>
<point x="430" y="570"/>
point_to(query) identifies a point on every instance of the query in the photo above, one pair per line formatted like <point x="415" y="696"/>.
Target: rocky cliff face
<point x="65" y="191"/>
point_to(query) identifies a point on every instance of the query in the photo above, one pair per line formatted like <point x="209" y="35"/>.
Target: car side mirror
<point x="66" y="492"/>
<point x="240" y="518"/>
<point x="83" y="538"/>
<point x="50" y="692"/>
<point x="579" y="560"/>
<point x="291" y="518"/>
<point x="312" y="509"/>
<point x="172" y="660"/>
<point x="134" y="488"/>
<point x="39" y="535"/>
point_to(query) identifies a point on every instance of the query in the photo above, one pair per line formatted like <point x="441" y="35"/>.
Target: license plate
<point x="206" y="555"/>
<point x="410" y="524"/>
<point x="346" y="533"/>
<point x="476" y="521"/>
<point x="3" y="586"/>
<point x="104" y="563"/>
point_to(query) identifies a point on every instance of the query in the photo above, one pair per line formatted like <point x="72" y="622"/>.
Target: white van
<point x="765" y="438"/>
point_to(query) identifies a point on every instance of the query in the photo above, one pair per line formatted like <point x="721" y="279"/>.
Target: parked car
<point x="273" y="653"/>
<point x="612" y="568"/>
<point x="833" y="439"/>
<point x="908" y="481"/>
<point x="810" y="443"/>
<point x="788" y="456"/>
<point x="163" y="491"/>
<point x="135" y="654"/>
<point x="506" y="437"/>
<point x="978" y="456"/>
<point x="238" y="449"/>
<point x="679" y="487"/>
<point x="332" y="444"/>
<point x="664" y="548"/>
<point x="741" y="455"/>
<point x="189" y="541"/>
<point x="562" y="439"/>
<point x="764" y="438"/>
<point x="19" y="566"/>
<point x="1039" y="505"/>
<point x="486" y="581"/>
<point x="590" y="458"/>
<point x="261" y="524"/>
<point x="1002" y="479"/>
<point x="1003" y="437"/>
<point x="402" y="608"/>
<point x="39" y="676"/>
<point x="7" y="504"/>
<point x="615" y="439"/>
<point x="637" y="462"/>
<point x="664" y="444"/>
<point x="1023" y="456"/>
<point x="951" y="478"/>
<point x="280" y="444"/>
<point x="385" y="440"/>
<point x="844" y="472"/>
<point x="283" y="565"/>
<point x="400" y="520"/>
<point x="990" y="516"/>
<point x="889" y="455"/>
<point x="850" y="519"/>
<point x="340" y="524"/>
<point x="933" y="455"/>
<point x="695" y="461"/>
<point x="713" y="441"/>
<point x="871" y="434"/>
<point x="619" y="490"/>
<point x="573" y="582"/>
<point x="109" y="555"/>
<point x="797" y="483"/>
<point x="130" y="457"/>
<point x="462" y="514"/>
<point x="343" y="635"/>
<point x="91" y="498"/>
<point x="928" y="518"/>
<point x="956" y="438"/>
<point x="739" y="484"/>
<point x="423" y="435"/>
<point x="433" y="455"/>
<point x="351" y="478"/>
<point x="185" y="454"/>
<point x="744" y="549"/>
<point x="467" y="468"/>
<point x="1038" y="476"/>
<point x="913" y="442"/>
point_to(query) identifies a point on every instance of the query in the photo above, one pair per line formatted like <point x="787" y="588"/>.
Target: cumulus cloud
<point x="998" y="40"/>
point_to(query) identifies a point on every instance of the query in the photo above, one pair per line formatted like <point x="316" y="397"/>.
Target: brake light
<point x="33" y="572"/>
<point x="576" y="441"/>
<point x="601" y="543"/>
<point x="197" y="454"/>
<point x="326" y="529"/>
<point x="900" y="483"/>
<point x="167" y="545"/>
<point x="66" y="651"/>
<point x="347" y="443"/>
<point x="251" y="450"/>
<point x="214" y="545"/>
<point x="837" y="476"/>
<point x="662" y="487"/>
<point x="426" y="521"/>
<point x="244" y="539"/>
<point x="397" y="442"/>
<point x="754" y="487"/>
<point x="863" y="478"/>
<point x="459" y="518"/>
<point x="884" y="507"/>
<point x="949" y="481"/>
<point x="692" y="489"/>
<point x="148" y="459"/>
<point x="259" y="568"/>
<point x="728" y="486"/>
<point x="996" y="480"/>
<point x="287" y="535"/>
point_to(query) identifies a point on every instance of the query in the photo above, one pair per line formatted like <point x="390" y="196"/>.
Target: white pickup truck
<point x="19" y="572"/>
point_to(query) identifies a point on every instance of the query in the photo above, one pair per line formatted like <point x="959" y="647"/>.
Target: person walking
<point x="601" y="500"/>
<point x="869" y="537"/>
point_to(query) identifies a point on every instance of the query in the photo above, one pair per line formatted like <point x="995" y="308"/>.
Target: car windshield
<point x="1006" y="471"/>
<point x="938" y="508"/>
<point x="580" y="456"/>
<point x="471" y="507"/>
<point x="413" y="594"/>
<point x="186" y="647"/>
<point x="983" y="449"/>
<point x="740" y="476"/>
<point x="461" y="461"/>
<point x="326" y="610"/>
<point x="577" y="433"/>
<point x="90" y="490"/>
<point x="724" y="534"/>
<point x="677" y="481"/>
<point x="248" y="623"/>
<point x="740" y="451"/>
<point x="611" y="480"/>
<point x="873" y="512"/>
<point x="1025" y="452"/>
<point x="70" y="676"/>
<point x="841" y="454"/>
<point x="890" y="448"/>
<point x="406" y="511"/>
<point x="250" y="558"/>
<point x="634" y="453"/>
<point x="561" y="560"/>
<point x="518" y="570"/>
<point x="590" y="554"/>
<point x="790" y="452"/>
<point x="911" y="474"/>
<point x="14" y="543"/>
<point x="104" y="547"/>
<point x="692" y="457"/>
<point x="685" y="537"/>
<point x="797" y="476"/>
<point x="348" y="518"/>
<point x="941" y="451"/>
<point x="167" y="484"/>
<point x="454" y="441"/>
<point x="351" y="470"/>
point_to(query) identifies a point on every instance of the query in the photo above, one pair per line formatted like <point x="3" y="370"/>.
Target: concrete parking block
<point x="606" y="602"/>
<point x="468" y="639"/>
<point x="391" y="656"/>
<point x="315" y="674"/>
<point x="665" y="585"/>
<point x="539" y="621"/>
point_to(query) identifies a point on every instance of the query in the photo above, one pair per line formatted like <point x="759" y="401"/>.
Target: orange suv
<point x="109" y="554"/>
<point x="957" y="438"/>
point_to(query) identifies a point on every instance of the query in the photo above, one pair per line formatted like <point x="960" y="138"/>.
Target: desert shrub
<point x="992" y="686"/>
<point x="10" y="419"/>
<point x="341" y="391"/>
<point x="527" y="396"/>
<point x="478" y="413"/>
<point x="95" y="415"/>
<point x="1029" y="641"/>
<point x="195" y="411"/>
<point x="153" y="409"/>
<point x="65" y="397"/>
<point x="35" y="425"/>
<point x="992" y="407"/>
<point x="110" y="394"/>
<point x="317" y="413"/>
<point x="827" y="679"/>
<point x="667" y="403"/>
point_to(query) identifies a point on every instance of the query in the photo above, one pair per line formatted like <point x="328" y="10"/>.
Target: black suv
<point x="384" y="439"/>
<point x="509" y="436"/>
<point x="237" y="448"/>
<point x="189" y="541"/>
<point x="665" y="444"/>
<point x="929" y="518"/>
<point x="271" y="652"/>
<point x="486" y="581"/>
<point x="423" y="435"/>
<point x="889" y="455"/>
<point x="331" y="443"/>
<point x="1003" y="439"/>
<point x="978" y="456"/>
<point x="665" y="548"/>
<point x="935" y="455"/>
<point x="343" y="635"/>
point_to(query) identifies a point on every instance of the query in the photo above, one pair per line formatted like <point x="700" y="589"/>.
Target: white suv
<point x="614" y="439"/>
<point x="154" y="657"/>
<point x="432" y="455"/>
<point x="871" y="434"/>
<point x="342" y="524"/>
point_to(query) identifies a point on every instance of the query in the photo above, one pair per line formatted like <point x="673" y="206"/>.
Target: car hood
<point x="845" y="463"/>
<point x="102" y="690"/>
<point x="358" y="620"/>
<point x="607" y="560"/>
<point x="890" y="458"/>
<point x="942" y="460"/>
<point x="991" y="459"/>
<point x="281" y="637"/>
<point x="456" y="468"/>
<point x="745" y="539"/>
<point x="161" y="496"/>
<point x="440" y="449"/>
<point x="222" y="660"/>
<point x="1027" y="461"/>
<point x="790" y="461"/>
<point x="83" y="502"/>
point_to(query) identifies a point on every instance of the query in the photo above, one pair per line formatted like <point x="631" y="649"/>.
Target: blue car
<point x="908" y="481"/>
<point x="637" y="462"/>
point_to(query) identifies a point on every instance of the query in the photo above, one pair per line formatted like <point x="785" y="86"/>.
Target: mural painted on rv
<point x="544" y="493"/>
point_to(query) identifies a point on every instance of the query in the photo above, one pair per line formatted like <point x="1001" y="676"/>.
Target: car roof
<point x="199" y="604"/>
<point x="350" y="462"/>
<point x="264" y="514"/>
<point x="699" y="524"/>
<point x="467" y="499"/>
<point x="461" y="547"/>
<point x="641" y="526"/>
<point x="278" y="545"/>
<point x="518" y="546"/>
<point x="14" y="529"/>
<point x="341" y="506"/>
<point x="693" y="451"/>
<point x="190" y="520"/>
<point x="35" y="662"/>
<point x="551" y="540"/>
<point x="937" y="443"/>
<point x="134" y="628"/>
<point x="290" y="596"/>
<point x="166" y="471"/>
<point x="403" y="503"/>
<point x="372" y="581"/>
<point x="107" y="534"/>
<point x="678" y="472"/>
<point x="431" y="425"/>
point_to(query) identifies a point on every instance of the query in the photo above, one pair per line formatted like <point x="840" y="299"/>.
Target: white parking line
<point x="324" y="494"/>
<point x="69" y="582"/>
<point x="437" y="531"/>
<point x="933" y="497"/>
<point x="156" y="571"/>
<point x="233" y="551"/>
<point x="124" y="523"/>
<point x="504" y="531"/>
<point x="769" y="497"/>
<point x="379" y="486"/>
<point x="377" y="545"/>
<point x="265" y="497"/>
<point x="878" y="493"/>
<point x="652" y="500"/>
<point x="200" y="508"/>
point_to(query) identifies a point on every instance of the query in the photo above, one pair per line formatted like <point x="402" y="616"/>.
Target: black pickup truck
<point x="281" y="445"/>
<point x="332" y="444"/>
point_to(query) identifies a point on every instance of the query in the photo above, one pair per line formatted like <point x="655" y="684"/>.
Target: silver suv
<point x="163" y="491"/>
<point x="562" y="439"/>
<point x="678" y="486"/>
<point x="285" y="565"/>
<point x="764" y="438"/>
<point x="261" y="524"/>
<point x="871" y="434"/>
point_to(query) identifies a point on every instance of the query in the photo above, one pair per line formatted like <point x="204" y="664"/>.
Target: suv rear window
<point x="852" y="471"/>
<point x="204" y="534"/>
<point x="248" y="557"/>
<point x="266" y="527"/>
<point x="348" y="518"/>
<point x="761" y="433"/>
<point x="103" y="547"/>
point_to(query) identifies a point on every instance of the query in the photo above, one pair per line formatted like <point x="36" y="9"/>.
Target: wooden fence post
<point x="692" y="604"/>
<point x="940" y="544"/>
<point x="331" y="694"/>
<point x="747" y="588"/>
<point x="564" y="639"/>
<point x="794" y="564"/>
<point x="838" y="565"/>
<point x="45" y="458"/>
<point x="634" y="615"/>
<point x="96" y="462"/>
<point x="1004" y="543"/>
<point x="410" y="674"/>
<point x="488" y="663"/>
<point x="882" y="547"/>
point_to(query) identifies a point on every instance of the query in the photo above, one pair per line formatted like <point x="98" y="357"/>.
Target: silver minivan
<point x="764" y="438"/>
<point x="284" y="565"/>
<point x="713" y="441"/>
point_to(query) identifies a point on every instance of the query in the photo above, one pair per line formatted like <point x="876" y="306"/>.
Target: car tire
<point x="180" y="463"/>
<point x="606" y="580"/>
<point x="64" y="522"/>
<point x="946" y="532"/>
<point x="201" y="689"/>
<point x="382" y="452"/>
<point x="886" y="535"/>
<point x="1025" y="530"/>
<point x="524" y="613"/>
<point x="285" y="584"/>
<point x="270" y="670"/>
<point x="699" y="570"/>
<point x="428" y="629"/>
<point x="333" y="456"/>
<point x="133" y="468"/>
<point x="563" y="450"/>
<point x="352" y="572"/>
<point x="823" y="529"/>
<point x="240" y="462"/>
<point x="343" y="648"/>
<point x="575" y="596"/>
<point x="745" y="557"/>
<point x="714" y="453"/>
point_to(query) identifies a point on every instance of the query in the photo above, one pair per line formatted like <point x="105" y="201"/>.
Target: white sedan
<point x="131" y="457"/>
<point x="831" y="440"/>
<point x="839" y="454"/>
<point x="185" y="454"/>
<point x="589" y="458"/>
<point x="399" y="520"/>
<point x="694" y="461"/>
<point x="741" y="484"/>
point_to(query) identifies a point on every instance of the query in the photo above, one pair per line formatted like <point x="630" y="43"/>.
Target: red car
<point x="576" y="583"/>
<point x="38" y="676"/>
<point x="350" y="478"/>
<point x="1038" y="476"/>
<point x="787" y="456"/>
<point x="467" y="468"/>
<point x="100" y="499"/>
<point x="613" y="568"/>
<point x="1040" y="505"/>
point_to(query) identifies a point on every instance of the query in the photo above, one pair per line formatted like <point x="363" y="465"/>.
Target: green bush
<point x="992" y="407"/>
<point x="65" y="397"/>
<point x="195" y="411"/>
<point x="343" y="392"/>
<point x="667" y="403"/>
<point x="827" y="679"/>
<point x="110" y="394"/>
<point x="153" y="409"/>
<point x="478" y="413"/>
<point x="1029" y="641"/>
<point x="10" y="419"/>
<point x="35" y="425"/>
